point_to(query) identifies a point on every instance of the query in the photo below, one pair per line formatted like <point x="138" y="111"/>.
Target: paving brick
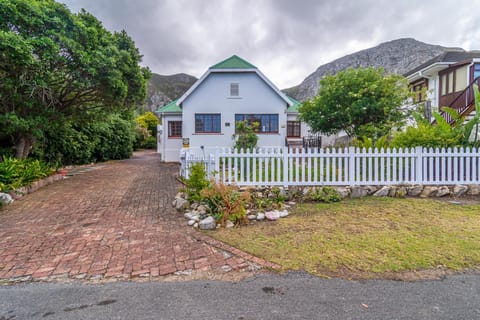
<point x="114" y="221"/>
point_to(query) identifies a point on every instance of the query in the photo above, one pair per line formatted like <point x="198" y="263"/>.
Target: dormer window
<point x="234" y="90"/>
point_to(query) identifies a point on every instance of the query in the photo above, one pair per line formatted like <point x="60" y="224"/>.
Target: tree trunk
<point x="24" y="144"/>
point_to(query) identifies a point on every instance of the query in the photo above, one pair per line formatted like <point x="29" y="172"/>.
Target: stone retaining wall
<point x="399" y="191"/>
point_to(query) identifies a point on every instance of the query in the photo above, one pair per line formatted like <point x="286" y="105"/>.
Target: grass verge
<point x="367" y="238"/>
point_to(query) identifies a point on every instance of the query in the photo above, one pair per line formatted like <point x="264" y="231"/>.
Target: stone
<point x="180" y="195"/>
<point x="343" y="191"/>
<point x="260" y="216"/>
<point x="474" y="190"/>
<point x="251" y="217"/>
<point x="358" y="192"/>
<point x="272" y="215"/>
<point x="371" y="190"/>
<point x="429" y="191"/>
<point x="291" y="203"/>
<point x="393" y="192"/>
<point x="414" y="191"/>
<point x="283" y="193"/>
<point x="181" y="204"/>
<point x="195" y="225"/>
<point x="191" y="222"/>
<point x="283" y="213"/>
<point x="229" y="224"/>
<point x="383" y="192"/>
<point x="459" y="190"/>
<point x="455" y="202"/>
<point x="226" y="268"/>
<point x="202" y="209"/>
<point x="306" y="191"/>
<point x="208" y="223"/>
<point x="401" y="192"/>
<point x="443" y="191"/>
<point x="194" y="205"/>
<point x="5" y="198"/>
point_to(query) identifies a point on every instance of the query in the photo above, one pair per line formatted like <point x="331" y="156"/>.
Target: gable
<point x="213" y="94"/>
<point x="234" y="65"/>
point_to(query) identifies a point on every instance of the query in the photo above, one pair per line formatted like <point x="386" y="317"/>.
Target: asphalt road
<point x="291" y="296"/>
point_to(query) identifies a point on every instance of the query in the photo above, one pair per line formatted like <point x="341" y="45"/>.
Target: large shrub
<point x="78" y="143"/>
<point x="146" y="131"/>
<point x="441" y="134"/>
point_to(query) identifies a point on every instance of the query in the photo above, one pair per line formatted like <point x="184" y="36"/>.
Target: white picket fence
<point x="343" y="166"/>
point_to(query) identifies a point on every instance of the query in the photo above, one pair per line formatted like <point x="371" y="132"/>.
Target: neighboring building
<point x="447" y="80"/>
<point x="230" y="91"/>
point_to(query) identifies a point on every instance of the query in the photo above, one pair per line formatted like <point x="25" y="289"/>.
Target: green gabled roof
<point x="234" y="62"/>
<point x="296" y="104"/>
<point x="171" y="107"/>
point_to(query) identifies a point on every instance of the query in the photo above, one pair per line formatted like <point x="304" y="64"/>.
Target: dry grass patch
<point x="367" y="238"/>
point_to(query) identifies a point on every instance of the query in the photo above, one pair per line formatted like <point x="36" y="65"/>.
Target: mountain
<point x="163" y="89"/>
<point x="397" y="56"/>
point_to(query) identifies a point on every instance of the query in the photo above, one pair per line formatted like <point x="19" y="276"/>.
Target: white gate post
<point x="285" y="167"/>
<point x="351" y="165"/>
<point x="418" y="165"/>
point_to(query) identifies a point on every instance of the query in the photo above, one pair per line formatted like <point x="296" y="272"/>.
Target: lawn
<point x="368" y="238"/>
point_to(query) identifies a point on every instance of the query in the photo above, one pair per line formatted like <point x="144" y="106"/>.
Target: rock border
<point x="34" y="186"/>
<point x="197" y="216"/>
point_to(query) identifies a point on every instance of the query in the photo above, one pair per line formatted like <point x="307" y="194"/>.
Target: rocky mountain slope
<point x="397" y="56"/>
<point x="163" y="89"/>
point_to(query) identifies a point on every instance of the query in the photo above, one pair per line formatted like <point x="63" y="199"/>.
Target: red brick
<point x="114" y="221"/>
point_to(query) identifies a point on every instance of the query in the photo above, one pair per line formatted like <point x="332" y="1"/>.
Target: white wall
<point x="169" y="148"/>
<point x="213" y="96"/>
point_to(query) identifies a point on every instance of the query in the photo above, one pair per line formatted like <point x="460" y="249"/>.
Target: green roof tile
<point x="171" y="107"/>
<point x="295" y="106"/>
<point x="234" y="62"/>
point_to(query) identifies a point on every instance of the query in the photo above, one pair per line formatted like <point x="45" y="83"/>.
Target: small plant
<point x="325" y="194"/>
<point x="278" y="197"/>
<point x="245" y="135"/>
<point x="196" y="182"/>
<point x="263" y="204"/>
<point x="15" y="173"/>
<point x="226" y="203"/>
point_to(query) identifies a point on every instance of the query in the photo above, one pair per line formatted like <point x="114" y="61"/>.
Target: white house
<point x="447" y="80"/>
<point x="230" y="91"/>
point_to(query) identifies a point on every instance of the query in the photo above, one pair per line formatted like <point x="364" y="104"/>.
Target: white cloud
<point x="286" y="39"/>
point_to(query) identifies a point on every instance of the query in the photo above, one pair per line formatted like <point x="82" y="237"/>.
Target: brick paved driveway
<point x="115" y="221"/>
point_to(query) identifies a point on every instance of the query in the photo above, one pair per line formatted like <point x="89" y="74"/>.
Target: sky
<point x="286" y="39"/>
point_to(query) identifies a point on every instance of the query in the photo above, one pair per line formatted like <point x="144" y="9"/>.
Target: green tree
<point x="58" y="66"/>
<point x="363" y="101"/>
<point x="149" y="121"/>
